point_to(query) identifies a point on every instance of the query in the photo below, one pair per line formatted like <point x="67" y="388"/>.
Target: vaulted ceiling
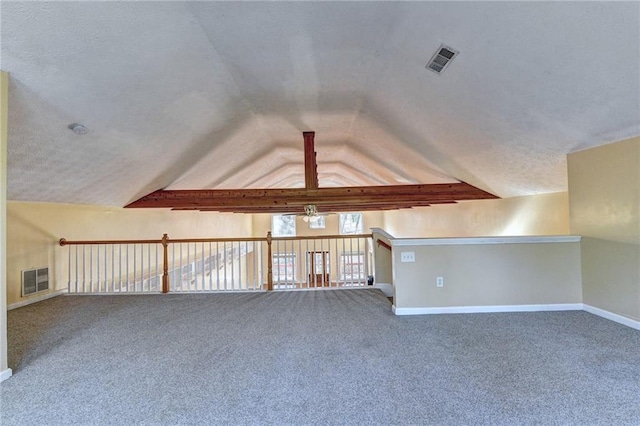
<point x="216" y="95"/>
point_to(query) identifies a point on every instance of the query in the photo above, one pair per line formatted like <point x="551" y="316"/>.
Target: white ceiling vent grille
<point x="441" y="59"/>
<point x="35" y="280"/>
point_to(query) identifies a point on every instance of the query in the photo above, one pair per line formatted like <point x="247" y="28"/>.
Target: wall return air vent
<point x="441" y="59"/>
<point x="34" y="281"/>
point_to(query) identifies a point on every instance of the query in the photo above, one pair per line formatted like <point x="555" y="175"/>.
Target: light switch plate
<point x="407" y="256"/>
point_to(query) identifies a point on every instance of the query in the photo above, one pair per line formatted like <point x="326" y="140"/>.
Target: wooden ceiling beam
<point x="293" y="200"/>
<point x="310" y="163"/>
<point x="454" y="190"/>
<point x="326" y="199"/>
<point x="328" y="209"/>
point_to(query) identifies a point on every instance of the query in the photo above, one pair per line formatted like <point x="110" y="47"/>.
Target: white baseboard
<point x="4" y="375"/>
<point x="35" y="299"/>
<point x="520" y="308"/>
<point x="126" y="293"/>
<point x="487" y="309"/>
<point x="613" y="317"/>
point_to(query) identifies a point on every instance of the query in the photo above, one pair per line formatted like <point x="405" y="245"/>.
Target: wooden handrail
<point x="63" y="242"/>
<point x="322" y="237"/>
<point x="383" y="244"/>
<point x="216" y="240"/>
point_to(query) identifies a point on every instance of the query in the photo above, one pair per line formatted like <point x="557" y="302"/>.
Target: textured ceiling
<point x="216" y="95"/>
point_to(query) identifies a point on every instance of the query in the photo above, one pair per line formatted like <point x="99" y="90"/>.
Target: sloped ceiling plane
<point x="215" y="95"/>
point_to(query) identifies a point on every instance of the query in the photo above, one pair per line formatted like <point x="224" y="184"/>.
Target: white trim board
<point x="35" y="299"/>
<point x="4" y="375"/>
<point x="126" y="293"/>
<point x="487" y="309"/>
<point x="520" y="308"/>
<point x="485" y="240"/>
<point x="382" y="232"/>
<point x="612" y="317"/>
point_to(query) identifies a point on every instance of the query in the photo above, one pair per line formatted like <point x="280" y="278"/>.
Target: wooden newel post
<point x="165" y="263"/>
<point x="269" y="263"/>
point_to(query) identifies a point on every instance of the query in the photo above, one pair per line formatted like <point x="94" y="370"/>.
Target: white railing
<point x="214" y="265"/>
<point x="222" y="265"/>
<point x="321" y="262"/>
<point x="114" y="267"/>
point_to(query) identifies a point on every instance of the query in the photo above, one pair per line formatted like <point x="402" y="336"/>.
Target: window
<point x="317" y="223"/>
<point x="284" y="267"/>
<point x="283" y="226"/>
<point x="350" y="223"/>
<point x="352" y="266"/>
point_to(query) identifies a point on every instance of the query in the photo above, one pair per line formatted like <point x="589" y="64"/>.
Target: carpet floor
<point x="311" y="357"/>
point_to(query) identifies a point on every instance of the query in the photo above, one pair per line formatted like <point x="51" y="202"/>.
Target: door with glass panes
<point x="318" y="267"/>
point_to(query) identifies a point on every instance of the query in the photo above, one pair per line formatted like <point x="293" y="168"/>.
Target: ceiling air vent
<point x="441" y="59"/>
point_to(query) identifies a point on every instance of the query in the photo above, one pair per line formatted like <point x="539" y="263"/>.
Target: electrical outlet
<point x="407" y="256"/>
<point x="439" y="281"/>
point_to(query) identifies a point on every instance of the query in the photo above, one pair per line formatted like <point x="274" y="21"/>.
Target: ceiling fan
<point x="311" y="213"/>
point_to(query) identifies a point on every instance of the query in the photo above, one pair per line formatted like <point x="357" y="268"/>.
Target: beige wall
<point x="383" y="258"/>
<point x="35" y="228"/>
<point x="604" y="188"/>
<point x="4" y="103"/>
<point x="546" y="214"/>
<point x="262" y="224"/>
<point x="488" y="274"/>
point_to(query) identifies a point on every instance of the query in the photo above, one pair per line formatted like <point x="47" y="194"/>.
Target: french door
<point x="318" y="267"/>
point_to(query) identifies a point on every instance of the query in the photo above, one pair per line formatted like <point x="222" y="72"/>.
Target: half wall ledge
<point x="486" y="240"/>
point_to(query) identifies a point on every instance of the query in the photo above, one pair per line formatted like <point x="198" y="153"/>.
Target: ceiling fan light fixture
<point x="310" y="210"/>
<point x="311" y="213"/>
